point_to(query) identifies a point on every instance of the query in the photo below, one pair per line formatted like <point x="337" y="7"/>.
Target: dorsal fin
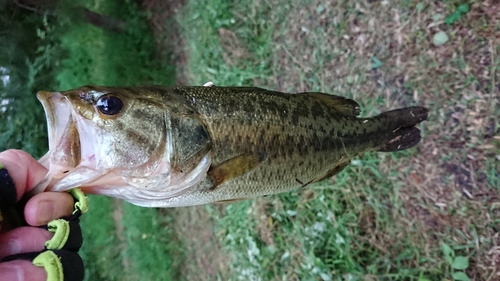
<point x="343" y="105"/>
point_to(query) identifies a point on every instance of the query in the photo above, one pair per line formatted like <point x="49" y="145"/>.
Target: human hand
<point x="25" y="172"/>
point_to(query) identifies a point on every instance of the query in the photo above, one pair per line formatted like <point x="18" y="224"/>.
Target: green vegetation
<point x="429" y="213"/>
<point x="22" y="69"/>
<point x="122" y="242"/>
<point x="386" y="216"/>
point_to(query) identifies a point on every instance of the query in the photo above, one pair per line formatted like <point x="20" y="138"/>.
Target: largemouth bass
<point x="180" y="146"/>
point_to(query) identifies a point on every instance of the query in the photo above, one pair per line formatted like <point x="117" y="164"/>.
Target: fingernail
<point x="14" y="273"/>
<point x="8" y="193"/>
<point x="45" y="212"/>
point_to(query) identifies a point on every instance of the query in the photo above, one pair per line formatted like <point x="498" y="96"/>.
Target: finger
<point x="21" y="270"/>
<point x="47" y="206"/>
<point x="24" y="170"/>
<point x="23" y="240"/>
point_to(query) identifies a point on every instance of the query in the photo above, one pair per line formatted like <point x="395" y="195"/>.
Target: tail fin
<point x="405" y="134"/>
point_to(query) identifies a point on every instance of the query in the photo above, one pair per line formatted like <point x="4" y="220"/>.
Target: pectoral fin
<point x="343" y="105"/>
<point x="235" y="167"/>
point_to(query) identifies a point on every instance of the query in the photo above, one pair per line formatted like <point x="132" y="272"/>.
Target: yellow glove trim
<point x="82" y="202"/>
<point x="61" y="230"/>
<point x="52" y="265"/>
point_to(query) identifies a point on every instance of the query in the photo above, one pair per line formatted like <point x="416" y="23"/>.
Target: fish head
<point x="101" y="135"/>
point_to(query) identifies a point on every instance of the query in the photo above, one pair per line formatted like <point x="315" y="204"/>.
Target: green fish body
<point x="180" y="146"/>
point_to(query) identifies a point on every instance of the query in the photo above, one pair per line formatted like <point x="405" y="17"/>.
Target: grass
<point x="387" y="216"/>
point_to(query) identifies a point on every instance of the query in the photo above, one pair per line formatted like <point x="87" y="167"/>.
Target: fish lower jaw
<point x="156" y="190"/>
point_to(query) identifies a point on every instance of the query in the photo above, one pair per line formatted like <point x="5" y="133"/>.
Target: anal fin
<point x="332" y="172"/>
<point x="229" y="201"/>
<point x="235" y="167"/>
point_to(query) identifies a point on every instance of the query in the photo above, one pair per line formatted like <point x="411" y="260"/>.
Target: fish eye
<point x="109" y="105"/>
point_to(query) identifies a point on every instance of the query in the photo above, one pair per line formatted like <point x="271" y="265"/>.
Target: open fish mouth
<point x="61" y="127"/>
<point x="65" y="131"/>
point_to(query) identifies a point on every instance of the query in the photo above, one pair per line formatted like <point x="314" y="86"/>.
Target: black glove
<point x="60" y="257"/>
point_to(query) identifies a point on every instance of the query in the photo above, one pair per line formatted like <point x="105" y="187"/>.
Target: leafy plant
<point x="457" y="263"/>
<point x="458" y="14"/>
